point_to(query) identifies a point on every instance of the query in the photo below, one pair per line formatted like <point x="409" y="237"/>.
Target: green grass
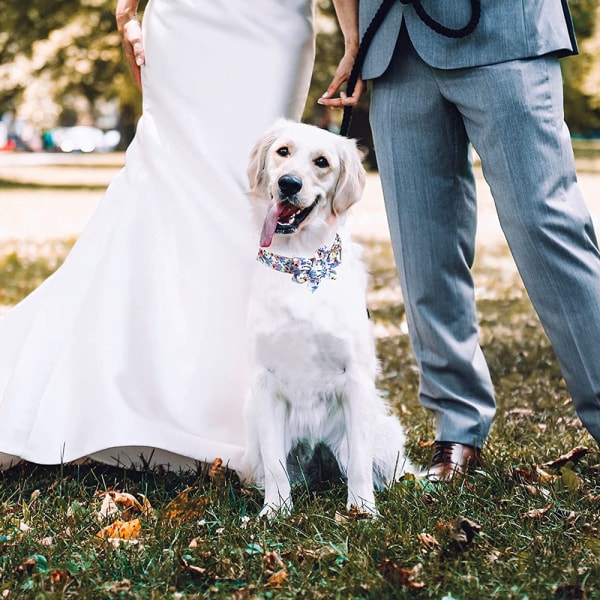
<point x="48" y="515"/>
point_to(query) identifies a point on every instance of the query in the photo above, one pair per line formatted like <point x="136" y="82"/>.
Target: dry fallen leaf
<point x="277" y="579"/>
<point x="536" y="513"/>
<point x="573" y="456"/>
<point x="463" y="531"/>
<point x="356" y="514"/>
<point x="522" y="475"/>
<point x="121" y="587"/>
<point x="108" y="508"/>
<point x="399" y="576"/>
<point x="59" y="580"/>
<point x="181" y="508"/>
<point x="125" y="505"/>
<point x="428" y="541"/>
<point x="216" y="473"/>
<point x="121" y="530"/>
<point x="272" y="561"/>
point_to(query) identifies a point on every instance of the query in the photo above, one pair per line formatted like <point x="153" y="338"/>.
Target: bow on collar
<point x="306" y="270"/>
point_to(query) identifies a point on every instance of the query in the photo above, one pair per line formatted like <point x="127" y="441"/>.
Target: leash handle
<point x="365" y="42"/>
<point x="371" y="30"/>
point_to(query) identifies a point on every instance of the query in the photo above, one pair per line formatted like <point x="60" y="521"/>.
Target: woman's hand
<point x="341" y="76"/>
<point x="131" y="36"/>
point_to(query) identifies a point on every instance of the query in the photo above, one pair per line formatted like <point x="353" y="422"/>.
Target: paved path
<point x="42" y="214"/>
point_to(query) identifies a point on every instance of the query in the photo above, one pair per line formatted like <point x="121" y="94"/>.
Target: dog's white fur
<point x="313" y="354"/>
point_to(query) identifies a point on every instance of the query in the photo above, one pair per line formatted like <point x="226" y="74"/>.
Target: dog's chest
<point x="303" y="350"/>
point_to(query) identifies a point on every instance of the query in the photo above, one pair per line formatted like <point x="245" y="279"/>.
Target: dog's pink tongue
<point x="270" y="223"/>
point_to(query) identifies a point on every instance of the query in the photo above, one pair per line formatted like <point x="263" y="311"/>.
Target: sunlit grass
<point x="49" y="515"/>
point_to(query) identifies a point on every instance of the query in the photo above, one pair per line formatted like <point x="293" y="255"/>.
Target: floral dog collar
<point x="306" y="270"/>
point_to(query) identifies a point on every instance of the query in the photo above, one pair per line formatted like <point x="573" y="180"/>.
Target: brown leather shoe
<point x="451" y="459"/>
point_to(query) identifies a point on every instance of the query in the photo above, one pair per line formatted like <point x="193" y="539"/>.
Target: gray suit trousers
<point x="423" y="119"/>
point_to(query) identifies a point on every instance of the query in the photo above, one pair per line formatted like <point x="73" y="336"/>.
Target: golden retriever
<point x="312" y="348"/>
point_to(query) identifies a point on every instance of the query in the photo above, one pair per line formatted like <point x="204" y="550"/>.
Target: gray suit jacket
<point x="508" y="30"/>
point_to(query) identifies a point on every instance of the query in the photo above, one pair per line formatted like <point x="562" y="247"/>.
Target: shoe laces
<point x="442" y="452"/>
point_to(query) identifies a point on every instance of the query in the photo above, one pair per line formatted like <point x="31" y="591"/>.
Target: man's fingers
<point x="328" y="98"/>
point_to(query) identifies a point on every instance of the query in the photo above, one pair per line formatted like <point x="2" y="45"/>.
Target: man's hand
<point x="347" y="15"/>
<point x="341" y="76"/>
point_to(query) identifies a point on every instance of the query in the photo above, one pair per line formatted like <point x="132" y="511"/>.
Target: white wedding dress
<point x="134" y="350"/>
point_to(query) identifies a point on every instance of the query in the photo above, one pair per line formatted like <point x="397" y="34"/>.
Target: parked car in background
<point x="82" y="138"/>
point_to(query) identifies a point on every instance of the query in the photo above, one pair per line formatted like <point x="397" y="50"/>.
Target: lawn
<point x="524" y="526"/>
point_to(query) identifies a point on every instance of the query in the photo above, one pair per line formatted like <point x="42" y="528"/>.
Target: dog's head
<point x="302" y="177"/>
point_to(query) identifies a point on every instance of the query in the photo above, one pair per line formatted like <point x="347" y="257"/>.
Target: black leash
<point x="371" y="30"/>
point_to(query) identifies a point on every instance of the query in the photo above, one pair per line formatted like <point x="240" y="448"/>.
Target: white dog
<point x="312" y="348"/>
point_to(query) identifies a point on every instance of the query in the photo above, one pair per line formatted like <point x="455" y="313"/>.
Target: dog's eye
<point x="322" y="162"/>
<point x="283" y="151"/>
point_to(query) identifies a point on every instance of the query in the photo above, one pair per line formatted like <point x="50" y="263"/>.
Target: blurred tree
<point x="73" y="46"/>
<point x="582" y="101"/>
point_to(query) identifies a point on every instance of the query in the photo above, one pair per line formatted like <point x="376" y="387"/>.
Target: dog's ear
<point x="258" y="156"/>
<point x="351" y="182"/>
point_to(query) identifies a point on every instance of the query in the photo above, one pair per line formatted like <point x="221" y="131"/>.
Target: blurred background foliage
<point x="61" y="63"/>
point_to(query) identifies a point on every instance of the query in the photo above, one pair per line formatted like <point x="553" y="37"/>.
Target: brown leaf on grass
<point x="272" y="561"/>
<point x="428" y="541"/>
<point x="537" y="513"/>
<point x="147" y="509"/>
<point x="216" y="473"/>
<point x="119" y="587"/>
<point x="58" y="581"/>
<point x="426" y="444"/>
<point x="537" y="475"/>
<point x="121" y="530"/>
<point x="182" y="508"/>
<point x="522" y="475"/>
<point x="277" y="579"/>
<point x="356" y="514"/>
<point x="463" y="531"/>
<point x="400" y="576"/>
<point x="125" y="505"/>
<point x="573" y="456"/>
<point x="108" y="508"/>
<point x="543" y="476"/>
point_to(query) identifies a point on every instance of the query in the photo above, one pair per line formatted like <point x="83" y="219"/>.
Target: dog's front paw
<point x="277" y="508"/>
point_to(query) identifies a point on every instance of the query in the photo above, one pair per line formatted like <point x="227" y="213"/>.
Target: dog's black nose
<point x="289" y="185"/>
